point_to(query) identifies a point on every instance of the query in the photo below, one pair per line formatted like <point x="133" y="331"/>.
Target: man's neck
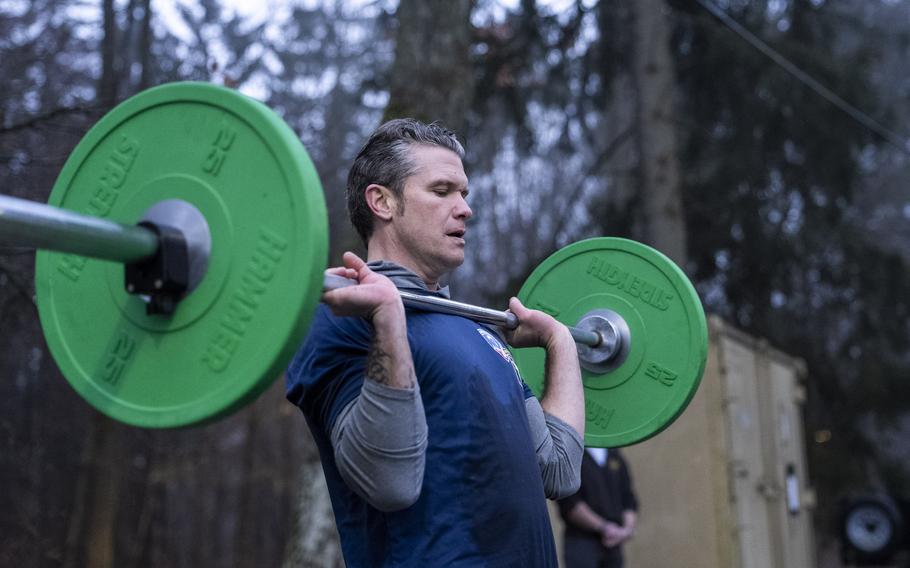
<point x="380" y="250"/>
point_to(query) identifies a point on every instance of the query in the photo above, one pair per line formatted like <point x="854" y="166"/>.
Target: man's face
<point x="431" y="229"/>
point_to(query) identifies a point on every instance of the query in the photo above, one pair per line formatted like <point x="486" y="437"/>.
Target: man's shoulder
<point x="328" y="348"/>
<point x="329" y="339"/>
<point x="326" y="326"/>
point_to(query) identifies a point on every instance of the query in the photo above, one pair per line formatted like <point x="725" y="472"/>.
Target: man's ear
<point x="380" y="200"/>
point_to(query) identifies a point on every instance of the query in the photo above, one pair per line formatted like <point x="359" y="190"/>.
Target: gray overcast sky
<point x="258" y="10"/>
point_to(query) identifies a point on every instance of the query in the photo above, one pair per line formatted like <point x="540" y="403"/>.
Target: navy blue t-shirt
<point x="483" y="501"/>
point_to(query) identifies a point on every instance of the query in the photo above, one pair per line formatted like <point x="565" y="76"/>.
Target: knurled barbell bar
<point x="182" y="255"/>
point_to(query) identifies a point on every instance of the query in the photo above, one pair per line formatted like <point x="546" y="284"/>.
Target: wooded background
<point x="760" y="144"/>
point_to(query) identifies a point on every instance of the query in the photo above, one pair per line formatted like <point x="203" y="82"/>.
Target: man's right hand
<point x="610" y="534"/>
<point x="613" y="535"/>
<point x="374" y="297"/>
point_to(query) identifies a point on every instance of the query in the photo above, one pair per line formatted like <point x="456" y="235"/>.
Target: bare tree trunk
<point x="127" y="51"/>
<point x="244" y="548"/>
<point x="432" y="77"/>
<point x="145" y="45"/>
<point x="342" y="237"/>
<point x="92" y="524"/>
<point x="106" y="479"/>
<point x="314" y="541"/>
<point x="664" y="223"/>
<point x="76" y="519"/>
<point x="107" y="88"/>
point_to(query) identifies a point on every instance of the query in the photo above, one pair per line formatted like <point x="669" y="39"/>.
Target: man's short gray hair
<point x="386" y="160"/>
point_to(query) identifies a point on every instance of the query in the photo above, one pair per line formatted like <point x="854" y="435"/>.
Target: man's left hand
<point x="535" y="328"/>
<point x="617" y="536"/>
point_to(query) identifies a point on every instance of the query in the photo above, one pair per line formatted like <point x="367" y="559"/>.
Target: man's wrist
<point x="559" y="336"/>
<point x="389" y="316"/>
<point x="389" y="361"/>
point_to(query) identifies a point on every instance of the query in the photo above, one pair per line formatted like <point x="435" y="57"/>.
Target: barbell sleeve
<point x="506" y="320"/>
<point x="31" y="224"/>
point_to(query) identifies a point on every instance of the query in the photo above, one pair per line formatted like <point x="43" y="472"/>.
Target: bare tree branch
<point x="51" y="115"/>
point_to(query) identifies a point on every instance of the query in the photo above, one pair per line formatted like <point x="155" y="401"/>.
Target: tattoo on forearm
<point x="378" y="363"/>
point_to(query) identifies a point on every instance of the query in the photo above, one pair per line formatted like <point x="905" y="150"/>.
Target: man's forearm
<point x="563" y="395"/>
<point x="583" y="517"/>
<point x="389" y="362"/>
<point x="380" y="438"/>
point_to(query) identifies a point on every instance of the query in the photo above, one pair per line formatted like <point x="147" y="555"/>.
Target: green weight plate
<point x="245" y="170"/>
<point x="669" y="337"/>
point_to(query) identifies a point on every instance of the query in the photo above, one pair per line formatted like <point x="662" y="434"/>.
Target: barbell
<point x="182" y="255"/>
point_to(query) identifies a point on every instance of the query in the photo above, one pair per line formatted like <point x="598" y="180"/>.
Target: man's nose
<point x="462" y="209"/>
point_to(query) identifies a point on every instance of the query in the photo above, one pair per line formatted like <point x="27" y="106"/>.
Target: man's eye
<point x="440" y="192"/>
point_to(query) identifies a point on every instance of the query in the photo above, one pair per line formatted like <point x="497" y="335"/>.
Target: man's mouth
<point x="459" y="234"/>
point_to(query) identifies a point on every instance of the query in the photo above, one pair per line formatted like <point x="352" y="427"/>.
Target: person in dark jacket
<point x="601" y="516"/>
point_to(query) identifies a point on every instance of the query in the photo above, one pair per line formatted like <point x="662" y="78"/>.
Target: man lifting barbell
<point x="435" y="451"/>
<point x="182" y="256"/>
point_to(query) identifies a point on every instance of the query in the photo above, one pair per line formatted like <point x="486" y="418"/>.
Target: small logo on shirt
<point x="499" y="348"/>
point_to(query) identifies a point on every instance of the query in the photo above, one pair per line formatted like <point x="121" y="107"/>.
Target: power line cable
<point x="893" y="138"/>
